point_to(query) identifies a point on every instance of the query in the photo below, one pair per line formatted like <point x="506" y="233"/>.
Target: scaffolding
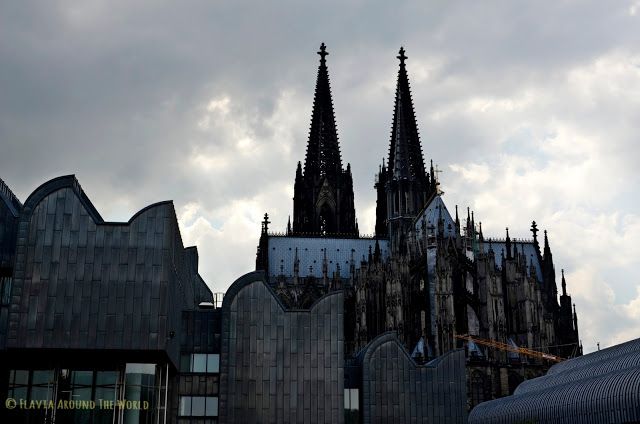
<point x="504" y="346"/>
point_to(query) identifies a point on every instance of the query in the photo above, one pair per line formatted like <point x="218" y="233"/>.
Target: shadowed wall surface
<point x="395" y="389"/>
<point x="82" y="283"/>
<point x="278" y="365"/>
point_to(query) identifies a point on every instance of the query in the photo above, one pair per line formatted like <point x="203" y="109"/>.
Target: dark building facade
<point x="396" y="389"/>
<point x="286" y="365"/>
<point x="110" y="322"/>
<point x="98" y="316"/>
<point x="425" y="274"/>
<point x="281" y="366"/>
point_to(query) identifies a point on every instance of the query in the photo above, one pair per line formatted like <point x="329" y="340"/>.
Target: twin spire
<point x="323" y="190"/>
<point x="323" y="150"/>
<point x="405" y="152"/>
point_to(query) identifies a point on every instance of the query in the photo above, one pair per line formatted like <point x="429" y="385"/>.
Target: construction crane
<point x="504" y="346"/>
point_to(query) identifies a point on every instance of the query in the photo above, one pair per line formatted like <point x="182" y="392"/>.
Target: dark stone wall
<point x="277" y="365"/>
<point x="8" y="231"/>
<point x="395" y="389"/>
<point x="82" y="283"/>
<point x="200" y="331"/>
<point x="9" y="211"/>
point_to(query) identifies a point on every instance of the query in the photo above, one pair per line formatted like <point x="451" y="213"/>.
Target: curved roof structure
<point x="602" y="387"/>
<point x="80" y="282"/>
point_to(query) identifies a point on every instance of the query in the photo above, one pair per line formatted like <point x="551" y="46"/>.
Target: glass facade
<point x="133" y="394"/>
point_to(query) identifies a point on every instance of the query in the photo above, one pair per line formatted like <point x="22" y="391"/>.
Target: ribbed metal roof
<point x="430" y="216"/>
<point x="602" y="387"/>
<point x="311" y="253"/>
<point x="529" y="251"/>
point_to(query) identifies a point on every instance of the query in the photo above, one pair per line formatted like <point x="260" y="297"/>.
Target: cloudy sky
<point x="531" y="110"/>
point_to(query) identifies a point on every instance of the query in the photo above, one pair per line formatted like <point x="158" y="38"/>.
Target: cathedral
<point x="427" y="274"/>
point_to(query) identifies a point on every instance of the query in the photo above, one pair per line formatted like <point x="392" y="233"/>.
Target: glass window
<point x="185" y="406"/>
<point x="140" y="386"/>
<point x="213" y="363"/>
<point x="185" y="362"/>
<point x="141" y="369"/>
<point x="355" y="401"/>
<point x="199" y="362"/>
<point x="42" y="385"/>
<point x="81" y="385"/>
<point x="18" y="384"/>
<point x="351" y="399"/>
<point x="197" y="406"/>
<point x="5" y="290"/>
<point x="105" y="391"/>
<point x="212" y="406"/>
<point x="106" y="385"/>
<point x="19" y="377"/>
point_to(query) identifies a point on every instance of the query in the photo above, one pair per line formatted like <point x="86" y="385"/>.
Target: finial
<point x="265" y="223"/>
<point x="323" y="52"/>
<point x="402" y="56"/>
<point x="507" y="232"/>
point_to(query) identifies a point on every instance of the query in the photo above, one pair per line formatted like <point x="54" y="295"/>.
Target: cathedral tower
<point x="323" y="191"/>
<point x="403" y="186"/>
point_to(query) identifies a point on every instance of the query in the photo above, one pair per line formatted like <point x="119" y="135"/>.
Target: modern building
<point x="101" y="321"/>
<point x="601" y="387"/>
<point x="424" y="274"/>
<point x="109" y="322"/>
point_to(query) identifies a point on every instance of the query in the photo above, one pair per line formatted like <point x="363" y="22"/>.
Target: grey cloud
<point x="114" y="91"/>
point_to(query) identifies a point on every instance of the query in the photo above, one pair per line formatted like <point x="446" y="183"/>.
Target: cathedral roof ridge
<point x="325" y="235"/>
<point x="430" y="200"/>
<point x="503" y="240"/>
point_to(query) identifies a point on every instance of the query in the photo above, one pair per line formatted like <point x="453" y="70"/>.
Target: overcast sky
<point x="531" y="110"/>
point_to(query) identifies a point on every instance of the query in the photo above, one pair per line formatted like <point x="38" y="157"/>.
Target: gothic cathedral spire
<point x="323" y="151"/>
<point x="406" y="184"/>
<point x="405" y="152"/>
<point x="323" y="193"/>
